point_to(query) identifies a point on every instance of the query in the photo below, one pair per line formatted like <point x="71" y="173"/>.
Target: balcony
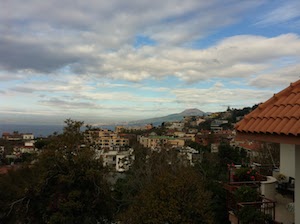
<point x="245" y="201"/>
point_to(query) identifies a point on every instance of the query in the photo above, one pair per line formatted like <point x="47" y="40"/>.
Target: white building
<point x="28" y="136"/>
<point x="118" y="160"/>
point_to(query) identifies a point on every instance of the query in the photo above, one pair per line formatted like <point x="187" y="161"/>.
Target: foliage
<point x="246" y="194"/>
<point x="28" y="157"/>
<point x="163" y="191"/>
<point x="197" y="146"/>
<point x="245" y="174"/>
<point x="66" y="185"/>
<point x="41" y="143"/>
<point x="252" y="215"/>
<point x="205" y="125"/>
<point x="241" y="112"/>
<point x="268" y="154"/>
<point x="228" y="155"/>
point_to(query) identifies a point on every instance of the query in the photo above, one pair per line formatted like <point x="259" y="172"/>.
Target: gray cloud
<point x="46" y="36"/>
<point x="9" y="76"/>
<point x="19" y="54"/>
<point x="22" y="89"/>
<point x="58" y="103"/>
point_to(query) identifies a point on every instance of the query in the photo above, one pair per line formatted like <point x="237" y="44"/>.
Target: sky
<point x="110" y="61"/>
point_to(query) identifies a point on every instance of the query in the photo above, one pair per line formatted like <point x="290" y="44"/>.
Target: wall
<point x="287" y="160"/>
<point x="297" y="185"/>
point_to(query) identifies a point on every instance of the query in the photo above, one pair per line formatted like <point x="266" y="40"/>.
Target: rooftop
<point x="279" y="116"/>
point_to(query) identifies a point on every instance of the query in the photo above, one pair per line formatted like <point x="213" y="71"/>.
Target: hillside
<point x="172" y="117"/>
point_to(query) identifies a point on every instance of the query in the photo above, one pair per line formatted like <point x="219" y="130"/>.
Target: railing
<point x="266" y="206"/>
<point x="232" y="187"/>
<point x="261" y="206"/>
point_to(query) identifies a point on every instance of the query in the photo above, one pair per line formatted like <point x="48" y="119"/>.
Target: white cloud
<point x="277" y="78"/>
<point x="238" y="56"/>
<point x="284" y="12"/>
<point x="217" y="98"/>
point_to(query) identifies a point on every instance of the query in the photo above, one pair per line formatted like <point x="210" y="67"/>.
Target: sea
<point x="39" y="130"/>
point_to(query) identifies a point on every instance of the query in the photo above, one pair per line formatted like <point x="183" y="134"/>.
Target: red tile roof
<point x="280" y="115"/>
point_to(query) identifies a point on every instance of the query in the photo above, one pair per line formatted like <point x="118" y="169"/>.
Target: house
<point x="118" y="160"/>
<point x="216" y="125"/>
<point x="15" y="136"/>
<point x="278" y="120"/>
<point x="105" y="138"/>
<point x="28" y="136"/>
<point x="189" y="156"/>
<point x="154" y="141"/>
<point x="176" y="125"/>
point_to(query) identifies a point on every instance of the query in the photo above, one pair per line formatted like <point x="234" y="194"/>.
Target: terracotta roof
<point x="280" y="115"/>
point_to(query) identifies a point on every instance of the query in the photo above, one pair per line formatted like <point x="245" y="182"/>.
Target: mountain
<point x="172" y="117"/>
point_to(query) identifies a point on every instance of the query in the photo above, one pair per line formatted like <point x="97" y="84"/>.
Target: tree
<point x="228" y="155"/>
<point x="167" y="192"/>
<point x="66" y="185"/>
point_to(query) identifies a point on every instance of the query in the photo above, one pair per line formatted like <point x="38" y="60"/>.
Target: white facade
<point x="124" y="161"/>
<point x="214" y="148"/>
<point x="28" y="136"/>
<point x="120" y="160"/>
<point x="287" y="160"/>
<point x="290" y="167"/>
<point x="297" y="184"/>
<point x="176" y="125"/>
<point x="29" y="143"/>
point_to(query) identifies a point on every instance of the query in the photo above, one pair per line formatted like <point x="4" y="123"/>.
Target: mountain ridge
<point x="168" y="118"/>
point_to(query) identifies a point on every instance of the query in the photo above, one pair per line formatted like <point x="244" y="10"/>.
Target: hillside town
<point x="194" y="139"/>
<point x="112" y="146"/>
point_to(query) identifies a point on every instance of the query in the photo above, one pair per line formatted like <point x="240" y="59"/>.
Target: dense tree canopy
<point x="66" y="185"/>
<point x="166" y="192"/>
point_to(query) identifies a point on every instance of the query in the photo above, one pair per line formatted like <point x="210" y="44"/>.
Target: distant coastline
<point x="38" y="130"/>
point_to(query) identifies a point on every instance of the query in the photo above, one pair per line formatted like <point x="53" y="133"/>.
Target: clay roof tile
<point x="280" y="100"/>
<point x="255" y="123"/>
<point x="274" y="124"/>
<point x="288" y="126"/>
<point x="278" y="115"/>
<point x="294" y="112"/>
<point x="284" y="112"/>
<point x="271" y="110"/>
<point x="296" y="128"/>
<point x="248" y="124"/>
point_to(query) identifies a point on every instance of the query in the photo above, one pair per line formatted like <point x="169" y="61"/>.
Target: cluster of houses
<point x="22" y="143"/>
<point x="111" y="147"/>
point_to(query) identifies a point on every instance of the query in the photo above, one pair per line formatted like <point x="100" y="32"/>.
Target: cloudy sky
<point x="102" y="61"/>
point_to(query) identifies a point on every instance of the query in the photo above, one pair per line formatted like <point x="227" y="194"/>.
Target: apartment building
<point x="158" y="141"/>
<point x="105" y="138"/>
